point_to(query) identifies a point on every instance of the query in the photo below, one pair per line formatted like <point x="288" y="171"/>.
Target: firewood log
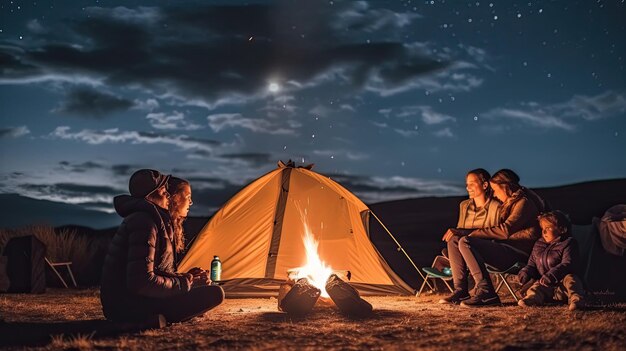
<point x="347" y="298"/>
<point x="300" y="299"/>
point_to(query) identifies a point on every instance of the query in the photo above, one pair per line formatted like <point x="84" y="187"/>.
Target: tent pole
<point x="403" y="251"/>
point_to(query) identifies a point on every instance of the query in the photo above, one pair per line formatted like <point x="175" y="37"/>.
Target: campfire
<point x="307" y="284"/>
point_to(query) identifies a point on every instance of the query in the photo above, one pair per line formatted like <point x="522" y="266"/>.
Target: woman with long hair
<point x="501" y="246"/>
<point x="180" y="201"/>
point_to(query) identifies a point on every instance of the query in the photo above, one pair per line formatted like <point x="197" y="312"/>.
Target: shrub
<point x="66" y="245"/>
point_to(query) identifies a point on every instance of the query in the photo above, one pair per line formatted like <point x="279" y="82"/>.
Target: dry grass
<point x="67" y="245"/>
<point x="398" y="323"/>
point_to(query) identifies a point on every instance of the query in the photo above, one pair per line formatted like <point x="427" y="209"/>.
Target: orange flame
<point x="315" y="270"/>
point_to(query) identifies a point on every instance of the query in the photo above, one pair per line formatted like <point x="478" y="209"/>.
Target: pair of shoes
<point x="456" y="297"/>
<point x="482" y="299"/>
<point x="576" y="305"/>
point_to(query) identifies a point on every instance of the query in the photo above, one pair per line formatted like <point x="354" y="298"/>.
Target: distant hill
<point x="18" y="211"/>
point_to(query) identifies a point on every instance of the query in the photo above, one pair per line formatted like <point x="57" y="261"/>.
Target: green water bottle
<point x="216" y="269"/>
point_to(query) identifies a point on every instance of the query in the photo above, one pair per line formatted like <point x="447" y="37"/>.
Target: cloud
<point x="451" y="70"/>
<point x="536" y="118"/>
<point x="444" y="133"/>
<point x="563" y="115"/>
<point x="14" y="132"/>
<point x="342" y="153"/>
<point x="252" y="159"/>
<point x="428" y="115"/>
<point x="89" y="103"/>
<point x="114" y="135"/>
<point x="407" y="132"/>
<point x="81" y="167"/>
<point x="357" y="16"/>
<point x="72" y="193"/>
<point x="147" y="105"/>
<point x="321" y="111"/>
<point x="221" y="121"/>
<point x="123" y="169"/>
<point x="591" y="108"/>
<point x="347" y="107"/>
<point x="377" y="189"/>
<point x="174" y="121"/>
<point x="165" y="51"/>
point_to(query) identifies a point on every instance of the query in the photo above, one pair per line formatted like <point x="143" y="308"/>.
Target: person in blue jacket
<point x="553" y="262"/>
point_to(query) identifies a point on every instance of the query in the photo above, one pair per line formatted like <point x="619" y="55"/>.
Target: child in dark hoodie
<point x="553" y="263"/>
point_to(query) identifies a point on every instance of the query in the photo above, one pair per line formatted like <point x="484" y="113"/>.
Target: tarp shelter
<point x="258" y="235"/>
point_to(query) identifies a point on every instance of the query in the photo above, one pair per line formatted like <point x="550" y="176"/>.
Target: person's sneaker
<point x="526" y="303"/>
<point x="456" y="297"/>
<point x="576" y="305"/>
<point x="482" y="299"/>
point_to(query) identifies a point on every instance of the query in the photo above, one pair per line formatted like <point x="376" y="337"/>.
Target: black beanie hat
<point x="145" y="181"/>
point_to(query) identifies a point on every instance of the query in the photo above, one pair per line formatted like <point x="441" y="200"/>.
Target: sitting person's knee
<point x="465" y="240"/>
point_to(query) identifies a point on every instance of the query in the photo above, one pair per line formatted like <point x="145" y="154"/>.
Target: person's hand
<point x="523" y="278"/>
<point x="199" y="276"/>
<point x="545" y="281"/>
<point x="202" y="278"/>
<point x="196" y="270"/>
<point x="189" y="278"/>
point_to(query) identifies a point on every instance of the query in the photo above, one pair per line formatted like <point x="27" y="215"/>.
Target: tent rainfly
<point x="258" y="235"/>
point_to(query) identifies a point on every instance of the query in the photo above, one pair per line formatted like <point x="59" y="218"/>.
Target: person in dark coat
<point x="500" y="246"/>
<point x="553" y="263"/>
<point x="139" y="278"/>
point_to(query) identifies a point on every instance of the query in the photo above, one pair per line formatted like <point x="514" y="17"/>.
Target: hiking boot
<point x="456" y="297"/>
<point x="482" y="299"/>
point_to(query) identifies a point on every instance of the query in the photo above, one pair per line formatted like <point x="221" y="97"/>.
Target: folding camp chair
<point x="433" y="273"/>
<point x="502" y="276"/>
<point x="68" y="265"/>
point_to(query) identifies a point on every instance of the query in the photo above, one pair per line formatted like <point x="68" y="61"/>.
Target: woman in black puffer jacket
<point x="139" y="278"/>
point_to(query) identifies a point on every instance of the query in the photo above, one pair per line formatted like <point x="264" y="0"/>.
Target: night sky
<point x="393" y="99"/>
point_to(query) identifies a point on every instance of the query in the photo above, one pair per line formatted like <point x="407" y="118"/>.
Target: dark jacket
<point x="552" y="260"/>
<point x="518" y="226"/>
<point x="140" y="260"/>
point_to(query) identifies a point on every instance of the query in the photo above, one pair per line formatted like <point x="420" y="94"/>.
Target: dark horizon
<point x="19" y="210"/>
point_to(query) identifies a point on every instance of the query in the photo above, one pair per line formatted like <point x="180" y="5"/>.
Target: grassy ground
<point x="72" y="319"/>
